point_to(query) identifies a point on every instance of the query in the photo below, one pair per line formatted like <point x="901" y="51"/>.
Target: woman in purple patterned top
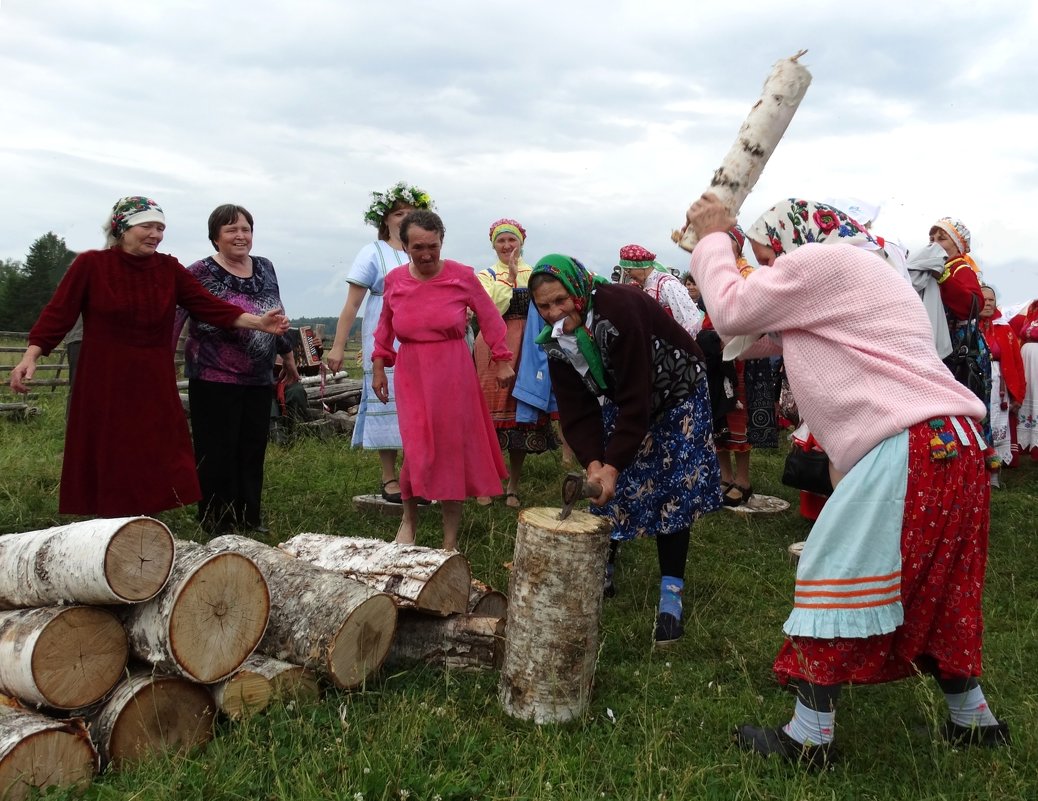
<point x="231" y="376"/>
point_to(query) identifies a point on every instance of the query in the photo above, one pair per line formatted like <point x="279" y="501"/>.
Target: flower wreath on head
<point x="382" y="202"/>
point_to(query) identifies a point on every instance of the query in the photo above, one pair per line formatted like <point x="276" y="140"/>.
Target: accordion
<point x="308" y="350"/>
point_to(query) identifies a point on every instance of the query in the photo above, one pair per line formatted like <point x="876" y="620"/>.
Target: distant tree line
<point x="26" y="287"/>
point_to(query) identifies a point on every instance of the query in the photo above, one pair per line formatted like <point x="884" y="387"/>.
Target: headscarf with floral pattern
<point x="580" y="283"/>
<point x="130" y="211"/>
<point x="791" y="223"/>
<point x="507" y="225"/>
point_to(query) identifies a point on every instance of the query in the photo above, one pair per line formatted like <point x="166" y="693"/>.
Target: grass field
<point x="659" y="722"/>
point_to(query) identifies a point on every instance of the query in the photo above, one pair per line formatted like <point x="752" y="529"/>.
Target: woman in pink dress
<point x="450" y="445"/>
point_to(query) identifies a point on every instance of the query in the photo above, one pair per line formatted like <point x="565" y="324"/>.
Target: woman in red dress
<point x="127" y="447"/>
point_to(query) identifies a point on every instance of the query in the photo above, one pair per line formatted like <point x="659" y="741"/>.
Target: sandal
<point x="736" y="495"/>
<point x="512" y="500"/>
<point x="391" y="497"/>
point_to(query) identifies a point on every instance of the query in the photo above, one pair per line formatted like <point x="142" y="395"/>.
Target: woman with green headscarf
<point x="631" y="388"/>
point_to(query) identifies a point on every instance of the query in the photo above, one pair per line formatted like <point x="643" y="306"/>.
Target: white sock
<point x="970" y="708"/>
<point x="809" y="726"/>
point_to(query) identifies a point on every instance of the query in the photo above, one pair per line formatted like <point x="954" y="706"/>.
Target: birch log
<point x="288" y="682"/>
<point x="457" y="642"/>
<point x="426" y="579"/>
<point x="37" y="751"/>
<point x="484" y="600"/>
<point x="64" y="657"/>
<point x="260" y="680"/>
<point x="322" y="620"/>
<point x="756" y="141"/>
<point x="210" y="616"/>
<point x="111" y="561"/>
<point x="554" y="610"/>
<point x="150" y="714"/>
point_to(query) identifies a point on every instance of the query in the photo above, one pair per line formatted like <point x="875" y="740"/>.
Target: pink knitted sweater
<point x="855" y="338"/>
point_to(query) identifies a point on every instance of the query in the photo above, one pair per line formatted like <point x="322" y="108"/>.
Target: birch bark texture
<point x="106" y="561"/>
<point x="40" y="752"/>
<point x="149" y="714"/>
<point x="458" y="642"/>
<point x="758" y="136"/>
<point x="207" y="620"/>
<point x="554" y="612"/>
<point x="336" y="626"/>
<point x="63" y="657"/>
<point x="427" y="579"/>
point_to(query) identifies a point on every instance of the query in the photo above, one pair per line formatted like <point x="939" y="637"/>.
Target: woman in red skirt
<point x="890" y="581"/>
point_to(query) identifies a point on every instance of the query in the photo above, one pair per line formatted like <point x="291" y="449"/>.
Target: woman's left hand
<point x="505" y="374"/>
<point x="605" y="476"/>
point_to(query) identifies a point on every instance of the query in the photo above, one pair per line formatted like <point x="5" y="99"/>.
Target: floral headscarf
<point x="958" y="232"/>
<point x="382" y="202"/>
<point x="960" y="235"/>
<point x="580" y="283"/>
<point x="792" y="223"/>
<point x="507" y="226"/>
<point x="130" y="211"/>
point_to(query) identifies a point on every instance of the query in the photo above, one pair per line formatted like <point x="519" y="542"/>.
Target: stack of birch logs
<point x="118" y="642"/>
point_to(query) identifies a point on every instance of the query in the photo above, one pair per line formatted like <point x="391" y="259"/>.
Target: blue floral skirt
<point x="674" y="479"/>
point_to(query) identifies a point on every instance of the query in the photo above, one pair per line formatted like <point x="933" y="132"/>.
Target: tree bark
<point x="105" y="561"/>
<point x="756" y="141"/>
<point x="37" y="751"/>
<point x="149" y="714"/>
<point x="64" y="657"/>
<point x="322" y="620"/>
<point x="426" y="579"/>
<point x="554" y="611"/>
<point x="208" y="619"/>
<point x="484" y="600"/>
<point x="458" y="642"/>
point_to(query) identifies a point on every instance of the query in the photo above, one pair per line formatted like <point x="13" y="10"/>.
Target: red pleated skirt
<point x="944" y="545"/>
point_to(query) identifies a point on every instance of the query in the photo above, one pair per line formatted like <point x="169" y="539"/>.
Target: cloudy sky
<point x="594" y="123"/>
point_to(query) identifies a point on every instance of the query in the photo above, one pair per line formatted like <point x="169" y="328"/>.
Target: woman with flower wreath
<point x="521" y="428"/>
<point x="376" y="426"/>
<point x="890" y="583"/>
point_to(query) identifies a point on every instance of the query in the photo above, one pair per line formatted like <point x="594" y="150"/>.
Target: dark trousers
<point x="229" y="426"/>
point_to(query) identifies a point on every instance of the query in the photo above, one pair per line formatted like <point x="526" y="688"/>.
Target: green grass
<point x="658" y="724"/>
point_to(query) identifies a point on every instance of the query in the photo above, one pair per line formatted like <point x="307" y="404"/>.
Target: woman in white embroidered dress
<point x="377" y="427"/>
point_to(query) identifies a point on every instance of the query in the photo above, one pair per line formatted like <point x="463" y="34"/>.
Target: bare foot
<point x="484" y="500"/>
<point x="404" y="535"/>
<point x="512" y="500"/>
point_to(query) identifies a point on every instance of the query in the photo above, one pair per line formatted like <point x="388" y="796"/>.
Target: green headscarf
<point x="580" y="283"/>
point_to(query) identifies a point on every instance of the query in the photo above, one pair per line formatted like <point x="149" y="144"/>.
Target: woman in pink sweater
<point x="891" y="579"/>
